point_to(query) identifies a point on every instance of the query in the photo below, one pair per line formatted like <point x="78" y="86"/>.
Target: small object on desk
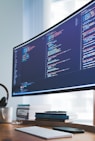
<point x="69" y="129"/>
<point x="44" y="132"/>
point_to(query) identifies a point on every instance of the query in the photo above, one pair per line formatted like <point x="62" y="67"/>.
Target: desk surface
<point x="8" y="133"/>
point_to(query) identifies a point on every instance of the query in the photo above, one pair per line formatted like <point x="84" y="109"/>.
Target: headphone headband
<point x="6" y="90"/>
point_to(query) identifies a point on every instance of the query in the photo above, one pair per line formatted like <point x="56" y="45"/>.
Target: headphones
<point x="4" y="100"/>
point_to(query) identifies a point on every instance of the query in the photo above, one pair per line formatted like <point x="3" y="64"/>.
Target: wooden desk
<point x="8" y="133"/>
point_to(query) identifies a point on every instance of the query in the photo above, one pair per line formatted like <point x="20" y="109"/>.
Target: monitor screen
<point x="61" y="58"/>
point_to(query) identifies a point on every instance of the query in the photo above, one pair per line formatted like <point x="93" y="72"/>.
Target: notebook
<point x="44" y="132"/>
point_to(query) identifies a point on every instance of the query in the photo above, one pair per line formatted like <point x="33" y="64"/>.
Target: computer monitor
<point x="61" y="58"/>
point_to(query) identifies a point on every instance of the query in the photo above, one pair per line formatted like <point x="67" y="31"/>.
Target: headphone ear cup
<point x="3" y="102"/>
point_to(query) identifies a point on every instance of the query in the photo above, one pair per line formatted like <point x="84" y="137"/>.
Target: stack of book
<point x="52" y="115"/>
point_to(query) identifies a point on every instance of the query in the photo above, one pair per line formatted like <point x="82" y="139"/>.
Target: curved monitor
<point x="61" y="58"/>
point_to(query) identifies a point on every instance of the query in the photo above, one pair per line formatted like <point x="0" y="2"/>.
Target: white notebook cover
<point x="44" y="132"/>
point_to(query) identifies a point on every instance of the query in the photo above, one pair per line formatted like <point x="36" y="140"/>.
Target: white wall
<point x="36" y="16"/>
<point x="10" y="35"/>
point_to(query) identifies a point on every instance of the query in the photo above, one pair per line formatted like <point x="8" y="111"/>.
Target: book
<point x="48" y="119"/>
<point x="56" y="112"/>
<point x="50" y="116"/>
